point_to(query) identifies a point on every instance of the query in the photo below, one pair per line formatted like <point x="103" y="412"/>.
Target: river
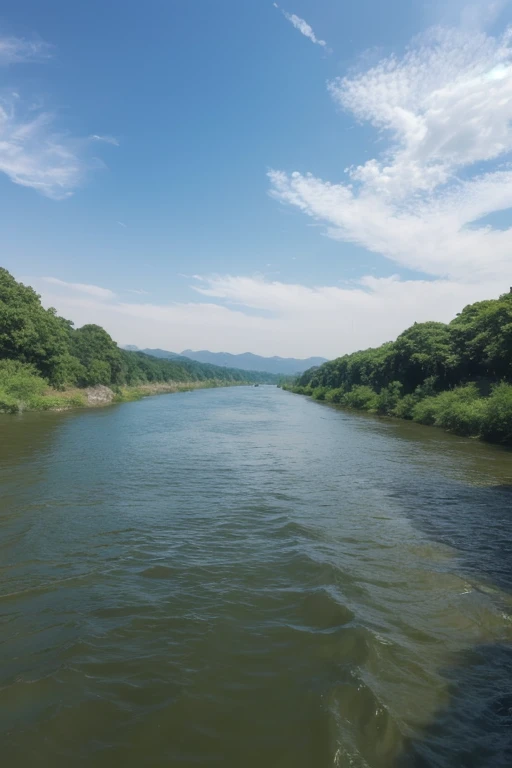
<point x="244" y="577"/>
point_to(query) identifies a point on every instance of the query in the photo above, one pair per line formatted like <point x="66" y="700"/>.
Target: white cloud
<point x="16" y="50"/>
<point x="91" y="290"/>
<point x="33" y="151"/>
<point x="469" y="14"/>
<point x="445" y="109"/>
<point x="239" y="313"/>
<point x="303" y="27"/>
<point x="33" y="154"/>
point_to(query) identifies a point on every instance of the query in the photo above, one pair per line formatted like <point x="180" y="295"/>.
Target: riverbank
<point x="97" y="396"/>
<point x="462" y="411"/>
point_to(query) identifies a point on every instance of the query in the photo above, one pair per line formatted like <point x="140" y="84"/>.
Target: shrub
<point x="463" y="417"/>
<point x="335" y="395"/>
<point x="319" y="393"/>
<point x="76" y="400"/>
<point x="460" y="410"/>
<point x="46" y="402"/>
<point x="425" y="411"/>
<point x="20" y="380"/>
<point x="404" y="407"/>
<point x="8" y="404"/>
<point x="361" y="397"/>
<point x="497" y="422"/>
<point x="388" y="397"/>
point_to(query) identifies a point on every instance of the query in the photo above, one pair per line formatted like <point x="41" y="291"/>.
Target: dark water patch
<point x="322" y="611"/>
<point x="296" y="531"/>
<point x="159" y="572"/>
<point x="473" y="728"/>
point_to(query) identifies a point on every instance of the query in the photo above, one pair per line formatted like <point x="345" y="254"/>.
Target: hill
<point x="285" y="366"/>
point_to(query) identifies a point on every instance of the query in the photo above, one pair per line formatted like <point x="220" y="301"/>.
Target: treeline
<point x="456" y="375"/>
<point x="39" y="349"/>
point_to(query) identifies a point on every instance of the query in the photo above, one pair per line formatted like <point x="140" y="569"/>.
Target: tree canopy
<point x="457" y="375"/>
<point x="68" y="356"/>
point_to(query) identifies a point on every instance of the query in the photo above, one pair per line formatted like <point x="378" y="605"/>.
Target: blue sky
<point x="302" y="179"/>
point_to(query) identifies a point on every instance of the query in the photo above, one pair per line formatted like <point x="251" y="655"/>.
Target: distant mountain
<point x="163" y="353"/>
<point x="246" y="362"/>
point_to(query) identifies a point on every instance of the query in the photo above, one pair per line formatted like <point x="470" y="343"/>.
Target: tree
<point x="91" y="345"/>
<point x="482" y="336"/>
<point x="28" y="332"/>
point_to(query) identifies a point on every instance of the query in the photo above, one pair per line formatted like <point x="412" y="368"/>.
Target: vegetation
<point x="45" y="361"/>
<point x="457" y="376"/>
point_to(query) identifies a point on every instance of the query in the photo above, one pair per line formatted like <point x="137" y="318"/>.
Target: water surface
<point x="244" y="577"/>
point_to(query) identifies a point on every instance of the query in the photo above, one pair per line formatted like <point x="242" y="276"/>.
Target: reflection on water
<point x="246" y="577"/>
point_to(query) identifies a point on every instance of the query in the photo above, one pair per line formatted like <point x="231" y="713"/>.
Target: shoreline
<point x="506" y="445"/>
<point x="100" y="395"/>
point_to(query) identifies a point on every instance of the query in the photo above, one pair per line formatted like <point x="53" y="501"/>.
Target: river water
<point x="244" y="577"/>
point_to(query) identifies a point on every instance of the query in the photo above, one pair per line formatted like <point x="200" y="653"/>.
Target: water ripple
<point x="243" y="577"/>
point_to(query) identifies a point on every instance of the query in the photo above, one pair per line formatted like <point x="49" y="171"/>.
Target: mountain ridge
<point x="246" y="361"/>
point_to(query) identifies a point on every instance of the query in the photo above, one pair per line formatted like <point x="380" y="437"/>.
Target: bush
<point x="20" y="380"/>
<point x="425" y="411"/>
<point x="319" y="393"/>
<point x="497" y="422"/>
<point x="46" y="402"/>
<point x="404" y="407"/>
<point x="460" y="410"/>
<point x="76" y="400"/>
<point x="361" y="397"/>
<point x="7" y="403"/>
<point x="388" y="397"/>
<point x="335" y="395"/>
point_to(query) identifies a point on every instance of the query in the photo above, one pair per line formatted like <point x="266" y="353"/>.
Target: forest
<point x="45" y="361"/>
<point x="456" y="375"/>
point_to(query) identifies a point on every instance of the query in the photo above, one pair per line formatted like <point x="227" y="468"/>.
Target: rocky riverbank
<point x="99" y="396"/>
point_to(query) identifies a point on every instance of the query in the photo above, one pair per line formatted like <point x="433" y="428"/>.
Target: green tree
<point x="482" y="336"/>
<point x="91" y="345"/>
<point x="28" y="332"/>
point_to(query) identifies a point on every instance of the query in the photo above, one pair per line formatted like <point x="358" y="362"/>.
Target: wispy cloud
<point x="91" y="290"/>
<point x="106" y="139"/>
<point x="34" y="152"/>
<point x="303" y="27"/>
<point x="17" y="50"/>
<point x="122" y="224"/>
<point x="445" y="111"/>
<point x="469" y="14"/>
